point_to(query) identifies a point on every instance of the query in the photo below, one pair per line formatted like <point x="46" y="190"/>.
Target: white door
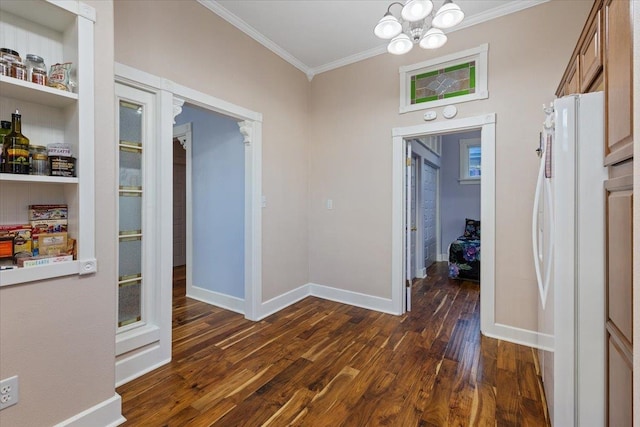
<point x="408" y="191"/>
<point x="429" y="198"/>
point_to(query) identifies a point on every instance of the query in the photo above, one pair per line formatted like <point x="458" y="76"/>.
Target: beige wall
<point x="58" y="336"/>
<point x="190" y="45"/>
<point x="353" y="110"/>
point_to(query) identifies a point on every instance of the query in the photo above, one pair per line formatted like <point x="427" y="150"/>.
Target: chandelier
<point x="417" y="24"/>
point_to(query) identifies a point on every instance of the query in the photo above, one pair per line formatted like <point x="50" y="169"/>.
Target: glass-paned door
<point x="130" y="197"/>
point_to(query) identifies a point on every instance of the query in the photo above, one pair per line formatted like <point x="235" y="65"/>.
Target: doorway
<point x="401" y="138"/>
<point x="145" y="343"/>
<point x="214" y="207"/>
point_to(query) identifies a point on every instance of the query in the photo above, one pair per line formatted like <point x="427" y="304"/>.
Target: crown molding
<point x="234" y="20"/>
<point x="218" y="9"/>
<point x="497" y="12"/>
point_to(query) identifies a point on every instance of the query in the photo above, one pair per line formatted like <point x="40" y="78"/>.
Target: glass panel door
<point x="131" y="195"/>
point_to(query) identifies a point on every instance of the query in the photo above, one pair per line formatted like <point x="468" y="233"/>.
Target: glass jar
<point x="35" y="62"/>
<point x="38" y="76"/>
<point x="10" y="55"/>
<point x="5" y="129"/>
<point x="38" y="160"/>
<point x="18" y="71"/>
<point x="4" y="67"/>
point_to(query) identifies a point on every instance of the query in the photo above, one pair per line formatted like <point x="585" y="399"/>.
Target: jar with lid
<point x="18" y="71"/>
<point x="4" y="67"/>
<point x="38" y="160"/>
<point x="35" y="63"/>
<point x="10" y="55"/>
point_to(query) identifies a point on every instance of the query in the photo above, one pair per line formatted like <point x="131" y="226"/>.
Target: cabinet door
<point x="590" y="55"/>
<point x="619" y="392"/>
<point x="572" y="85"/>
<point x="618" y="81"/>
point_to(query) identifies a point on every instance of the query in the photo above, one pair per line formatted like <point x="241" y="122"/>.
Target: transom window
<point x="450" y="79"/>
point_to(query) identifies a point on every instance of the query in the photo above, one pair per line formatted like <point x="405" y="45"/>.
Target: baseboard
<point x="227" y="302"/>
<point x="107" y="413"/>
<point x="443" y="257"/>
<point x="520" y="336"/>
<point x="421" y="273"/>
<point x="129" y="368"/>
<point x="352" y="298"/>
<point x="276" y="304"/>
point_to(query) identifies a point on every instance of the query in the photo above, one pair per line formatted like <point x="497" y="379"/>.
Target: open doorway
<point x="445" y="206"/>
<point x="209" y="220"/>
<point x="401" y="236"/>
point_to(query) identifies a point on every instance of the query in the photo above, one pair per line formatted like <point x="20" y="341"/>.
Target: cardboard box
<point x="43" y="260"/>
<point x="48" y="212"/>
<point x="49" y="226"/>
<point x="52" y="244"/>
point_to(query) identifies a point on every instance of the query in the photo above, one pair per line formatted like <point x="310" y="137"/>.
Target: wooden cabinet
<point x="59" y="32"/>
<point x="618" y="156"/>
<point x="590" y="54"/>
<point x="572" y="84"/>
<point x="618" y="80"/>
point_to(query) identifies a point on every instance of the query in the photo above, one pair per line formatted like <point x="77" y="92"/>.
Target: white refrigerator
<point x="568" y="232"/>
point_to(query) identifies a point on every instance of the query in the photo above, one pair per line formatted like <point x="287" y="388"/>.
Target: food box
<point x="45" y="212"/>
<point x="59" y="149"/>
<point x="62" y="166"/>
<point x="52" y="244"/>
<point x="49" y="226"/>
<point x="43" y="260"/>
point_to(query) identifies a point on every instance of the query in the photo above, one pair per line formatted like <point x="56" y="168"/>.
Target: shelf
<point x="37" y="179"/>
<point x="31" y="274"/>
<point x="39" y="94"/>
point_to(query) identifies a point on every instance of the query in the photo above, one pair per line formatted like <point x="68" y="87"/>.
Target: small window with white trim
<point x="450" y="79"/>
<point x="470" y="161"/>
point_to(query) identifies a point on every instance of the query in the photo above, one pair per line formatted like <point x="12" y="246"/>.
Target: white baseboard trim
<point x="131" y="367"/>
<point x="352" y="298"/>
<point x="443" y="257"/>
<point x="107" y="413"/>
<point x="520" y="336"/>
<point x="276" y="304"/>
<point x="227" y="302"/>
<point x="421" y="273"/>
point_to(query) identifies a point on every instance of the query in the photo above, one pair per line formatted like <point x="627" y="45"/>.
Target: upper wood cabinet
<point x="618" y="80"/>
<point x="584" y="71"/>
<point x="590" y="54"/>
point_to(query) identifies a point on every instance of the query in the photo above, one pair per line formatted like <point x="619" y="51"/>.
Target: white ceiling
<point x="299" y="32"/>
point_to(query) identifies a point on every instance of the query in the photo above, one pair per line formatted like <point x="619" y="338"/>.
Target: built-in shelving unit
<point x="59" y="31"/>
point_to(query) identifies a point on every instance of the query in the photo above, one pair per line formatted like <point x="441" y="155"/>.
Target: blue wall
<point x="457" y="201"/>
<point x="217" y="162"/>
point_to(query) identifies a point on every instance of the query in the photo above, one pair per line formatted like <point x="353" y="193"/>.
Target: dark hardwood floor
<point x="320" y="363"/>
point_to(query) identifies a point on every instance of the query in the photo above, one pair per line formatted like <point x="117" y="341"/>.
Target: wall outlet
<point x="8" y="392"/>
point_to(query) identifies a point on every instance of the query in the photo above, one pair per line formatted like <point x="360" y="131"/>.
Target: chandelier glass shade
<point x="417" y="24"/>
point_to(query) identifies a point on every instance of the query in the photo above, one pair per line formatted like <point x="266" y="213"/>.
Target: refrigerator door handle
<point x="543" y="282"/>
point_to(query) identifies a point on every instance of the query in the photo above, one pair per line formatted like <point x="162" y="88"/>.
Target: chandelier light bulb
<point x="449" y="15"/>
<point x="433" y="39"/>
<point x="400" y="45"/>
<point x="388" y="27"/>
<point x="415" y="10"/>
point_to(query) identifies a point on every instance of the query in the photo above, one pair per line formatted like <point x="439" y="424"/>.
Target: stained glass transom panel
<point x="444" y="83"/>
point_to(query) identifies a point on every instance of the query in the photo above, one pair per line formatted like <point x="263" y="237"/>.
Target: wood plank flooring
<point x="320" y="363"/>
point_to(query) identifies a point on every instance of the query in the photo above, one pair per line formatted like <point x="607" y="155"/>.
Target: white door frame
<point x="171" y="96"/>
<point x="486" y="123"/>
<point x="183" y="133"/>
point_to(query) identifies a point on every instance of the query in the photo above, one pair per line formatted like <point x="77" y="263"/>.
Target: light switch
<point x="264" y="201"/>
<point x="329" y="204"/>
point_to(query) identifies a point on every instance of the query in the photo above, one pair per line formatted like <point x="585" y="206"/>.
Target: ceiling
<point x="297" y="30"/>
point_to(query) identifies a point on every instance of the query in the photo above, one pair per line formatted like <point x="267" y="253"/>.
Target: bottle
<point x="5" y="129"/>
<point x="16" y="147"/>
